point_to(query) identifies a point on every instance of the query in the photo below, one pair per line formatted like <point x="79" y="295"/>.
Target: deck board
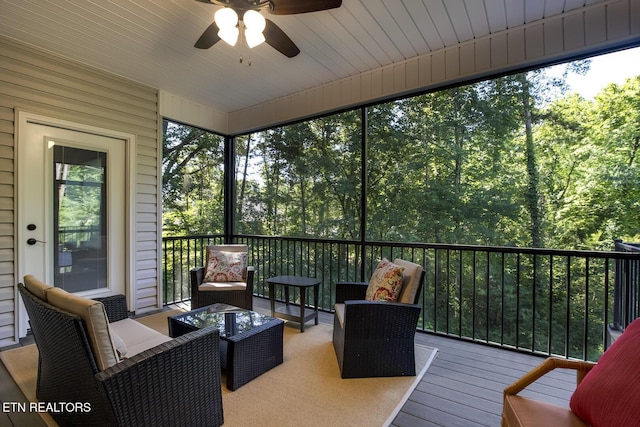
<point x="463" y="387"/>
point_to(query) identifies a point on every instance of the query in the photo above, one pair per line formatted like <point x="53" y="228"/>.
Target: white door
<point x="71" y="215"/>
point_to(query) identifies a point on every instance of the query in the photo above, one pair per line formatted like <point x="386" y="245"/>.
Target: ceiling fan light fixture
<point x="226" y="18"/>
<point x="254" y="38"/>
<point x="254" y="21"/>
<point x="257" y="29"/>
<point x="229" y="35"/>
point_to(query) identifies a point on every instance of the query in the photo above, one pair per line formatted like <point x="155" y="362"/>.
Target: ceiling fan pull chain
<point x="240" y="25"/>
<point x="241" y="42"/>
<point x="242" y="45"/>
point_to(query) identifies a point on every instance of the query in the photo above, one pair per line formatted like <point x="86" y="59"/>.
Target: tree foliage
<point x="192" y="181"/>
<point x="513" y="161"/>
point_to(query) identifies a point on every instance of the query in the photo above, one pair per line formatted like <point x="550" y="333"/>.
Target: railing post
<point x="364" y="177"/>
<point x="627" y="286"/>
<point x="618" y="289"/>
<point x="229" y="189"/>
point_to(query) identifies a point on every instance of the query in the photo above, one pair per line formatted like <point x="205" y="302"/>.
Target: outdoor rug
<point x="305" y="390"/>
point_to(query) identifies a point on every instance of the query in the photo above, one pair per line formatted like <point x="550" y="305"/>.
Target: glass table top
<point x="229" y="320"/>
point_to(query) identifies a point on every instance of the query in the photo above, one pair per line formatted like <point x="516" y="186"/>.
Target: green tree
<point x="192" y="181"/>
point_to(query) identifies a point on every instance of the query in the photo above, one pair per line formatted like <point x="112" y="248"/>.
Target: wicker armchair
<point x="239" y="294"/>
<point x="376" y="338"/>
<point x="175" y="383"/>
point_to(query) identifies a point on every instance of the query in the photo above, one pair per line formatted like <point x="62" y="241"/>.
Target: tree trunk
<point x="244" y="175"/>
<point x="532" y="195"/>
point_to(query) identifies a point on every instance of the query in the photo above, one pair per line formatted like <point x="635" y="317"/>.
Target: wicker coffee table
<point x="250" y="343"/>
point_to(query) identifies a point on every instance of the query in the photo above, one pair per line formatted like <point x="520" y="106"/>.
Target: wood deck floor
<point x="462" y="387"/>
<point x="464" y="384"/>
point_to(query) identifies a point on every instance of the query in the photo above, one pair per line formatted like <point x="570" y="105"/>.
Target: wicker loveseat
<point x="176" y="382"/>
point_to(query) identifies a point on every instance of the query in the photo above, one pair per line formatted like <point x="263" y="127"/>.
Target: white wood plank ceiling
<point x="151" y="41"/>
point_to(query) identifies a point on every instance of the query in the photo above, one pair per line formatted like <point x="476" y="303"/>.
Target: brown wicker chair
<point x="239" y="294"/>
<point x="176" y="383"/>
<point x="376" y="338"/>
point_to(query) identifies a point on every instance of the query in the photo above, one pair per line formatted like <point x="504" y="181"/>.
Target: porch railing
<point x="540" y="301"/>
<point x="627" y="286"/>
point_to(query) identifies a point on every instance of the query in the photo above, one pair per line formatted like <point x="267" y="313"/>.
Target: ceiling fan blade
<point x="208" y="38"/>
<point x="277" y="39"/>
<point x="292" y="7"/>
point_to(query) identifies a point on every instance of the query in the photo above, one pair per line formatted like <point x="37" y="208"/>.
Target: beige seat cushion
<point x="411" y="280"/>
<point x="118" y="344"/>
<point x="94" y="318"/>
<point x="36" y="287"/>
<point x="339" y="308"/>
<point x="222" y="286"/>
<point x="136" y="337"/>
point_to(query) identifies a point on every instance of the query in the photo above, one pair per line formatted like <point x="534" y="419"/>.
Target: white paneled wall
<point x="40" y="83"/>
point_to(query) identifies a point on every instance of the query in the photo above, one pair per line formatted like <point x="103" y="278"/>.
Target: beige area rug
<point x="305" y="390"/>
<point x="22" y="364"/>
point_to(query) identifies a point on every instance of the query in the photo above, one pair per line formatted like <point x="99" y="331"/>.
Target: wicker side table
<point x="294" y="312"/>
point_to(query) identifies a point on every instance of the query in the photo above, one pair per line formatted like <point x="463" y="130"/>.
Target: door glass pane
<point x="80" y="219"/>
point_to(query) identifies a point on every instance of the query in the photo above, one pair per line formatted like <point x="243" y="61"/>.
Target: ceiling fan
<point x="273" y="35"/>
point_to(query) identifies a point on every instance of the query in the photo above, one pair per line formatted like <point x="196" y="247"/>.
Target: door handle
<point x="31" y="241"/>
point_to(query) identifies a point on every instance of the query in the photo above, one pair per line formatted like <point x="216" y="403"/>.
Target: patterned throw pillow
<point x="386" y="282"/>
<point x="225" y="266"/>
